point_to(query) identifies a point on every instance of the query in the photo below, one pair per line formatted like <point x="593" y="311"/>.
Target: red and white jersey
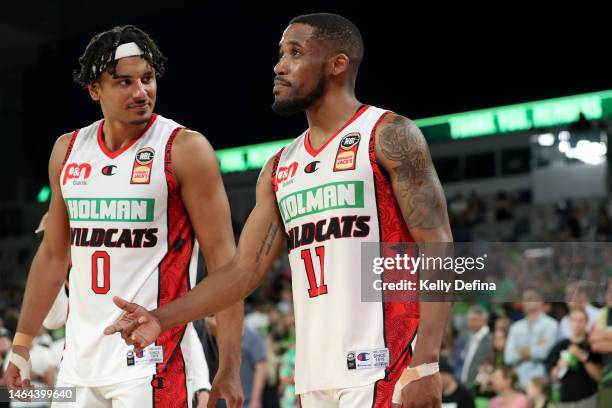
<point x="331" y="200"/>
<point x="130" y="237"/>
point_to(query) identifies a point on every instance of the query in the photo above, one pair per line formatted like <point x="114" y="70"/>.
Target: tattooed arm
<point x="402" y="151"/>
<point x="260" y="243"/>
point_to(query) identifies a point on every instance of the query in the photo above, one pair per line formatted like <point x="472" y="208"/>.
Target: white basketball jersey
<point x="130" y="237"/>
<point x="332" y="200"/>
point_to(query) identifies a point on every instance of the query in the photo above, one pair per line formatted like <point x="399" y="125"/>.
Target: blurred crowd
<point x="529" y="353"/>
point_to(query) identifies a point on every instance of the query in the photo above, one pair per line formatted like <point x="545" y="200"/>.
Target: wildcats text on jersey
<point x="326" y="197"/>
<point x="334" y="227"/>
<point x="113" y="237"/>
<point x="111" y="209"/>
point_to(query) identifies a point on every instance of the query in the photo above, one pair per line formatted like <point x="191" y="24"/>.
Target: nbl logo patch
<point x="346" y="157"/>
<point x="143" y="163"/>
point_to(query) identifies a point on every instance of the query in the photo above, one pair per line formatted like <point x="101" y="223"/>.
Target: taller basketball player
<point x="358" y="174"/>
<point x="128" y="203"/>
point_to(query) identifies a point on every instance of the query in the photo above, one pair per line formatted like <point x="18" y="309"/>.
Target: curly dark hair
<point x="99" y="54"/>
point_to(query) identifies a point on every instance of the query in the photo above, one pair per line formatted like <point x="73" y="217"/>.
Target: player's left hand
<point x="227" y="386"/>
<point x="423" y="393"/>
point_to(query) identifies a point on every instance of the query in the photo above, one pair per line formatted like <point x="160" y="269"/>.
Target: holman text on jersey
<point x="345" y="194"/>
<point x="111" y="209"/>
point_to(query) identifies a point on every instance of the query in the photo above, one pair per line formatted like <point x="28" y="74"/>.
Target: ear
<point x="340" y="64"/>
<point x="94" y="91"/>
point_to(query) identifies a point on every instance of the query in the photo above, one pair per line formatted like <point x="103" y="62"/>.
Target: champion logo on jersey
<point x="363" y="356"/>
<point x="312" y="167"/>
<point x="143" y="162"/>
<point x="109" y="170"/>
<point x="346" y="157"/>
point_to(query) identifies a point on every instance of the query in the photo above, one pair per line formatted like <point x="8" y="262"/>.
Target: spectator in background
<point x="601" y="342"/>
<point x="538" y="392"/>
<point x="459" y="217"/>
<point x="257" y="320"/>
<point x="287" y="378"/>
<point x="253" y="368"/>
<point x="530" y="339"/>
<point x="454" y="395"/>
<point x="476" y="209"/>
<point x="504" y="383"/>
<point x="483" y="383"/>
<point x="499" y="344"/>
<point x="574" y="366"/>
<point x="603" y="232"/>
<point x="576" y="297"/>
<point x="503" y="207"/>
<point x="479" y="344"/>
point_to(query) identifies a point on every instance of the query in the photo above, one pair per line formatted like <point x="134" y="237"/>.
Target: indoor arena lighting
<point x="491" y="121"/>
<point x="546" y="139"/>
<point x="588" y="152"/>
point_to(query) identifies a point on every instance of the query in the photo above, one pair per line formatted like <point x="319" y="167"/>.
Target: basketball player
<point x="381" y="164"/>
<point x="196" y="366"/>
<point x="127" y="206"/>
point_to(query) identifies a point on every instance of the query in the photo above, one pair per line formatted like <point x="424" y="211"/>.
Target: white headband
<point x="130" y="49"/>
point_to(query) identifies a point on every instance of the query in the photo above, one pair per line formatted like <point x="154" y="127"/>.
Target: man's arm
<point x="197" y="172"/>
<point x="402" y="151"/>
<point x="540" y="350"/>
<point x="511" y="355"/>
<point x="259" y="382"/>
<point x="259" y="355"/>
<point x="260" y="244"/>
<point x="48" y="270"/>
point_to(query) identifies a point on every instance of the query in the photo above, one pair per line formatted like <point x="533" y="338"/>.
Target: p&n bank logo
<point x="79" y="173"/>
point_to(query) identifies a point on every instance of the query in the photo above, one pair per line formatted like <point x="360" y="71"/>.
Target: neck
<point x="533" y="316"/>
<point x="578" y="338"/>
<point x="329" y="114"/>
<point x="117" y="134"/>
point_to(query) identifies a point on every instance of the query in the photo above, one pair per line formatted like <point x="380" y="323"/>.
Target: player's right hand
<point x="14" y="377"/>
<point x="137" y="326"/>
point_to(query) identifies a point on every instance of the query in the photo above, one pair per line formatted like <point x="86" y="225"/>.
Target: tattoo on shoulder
<point x="267" y="241"/>
<point x="419" y="191"/>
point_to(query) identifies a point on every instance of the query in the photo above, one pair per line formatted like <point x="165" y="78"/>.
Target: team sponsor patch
<point x="346" y="157"/>
<point x="143" y="163"/>
<point x="111" y="209"/>
<point x="285" y="173"/>
<point x="326" y="197"/>
<point x="364" y="359"/>
<point x="77" y="172"/>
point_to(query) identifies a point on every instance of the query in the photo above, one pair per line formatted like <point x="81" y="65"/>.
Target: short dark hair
<point x="339" y="31"/>
<point x="100" y="52"/>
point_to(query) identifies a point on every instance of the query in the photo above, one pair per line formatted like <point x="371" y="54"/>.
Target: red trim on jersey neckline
<point x="314" y="152"/>
<point x="113" y="155"/>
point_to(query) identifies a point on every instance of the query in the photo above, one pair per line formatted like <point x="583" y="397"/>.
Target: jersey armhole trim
<point x="275" y="168"/>
<point x="372" y="147"/>
<point x="68" y="151"/>
<point x="170" y="179"/>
